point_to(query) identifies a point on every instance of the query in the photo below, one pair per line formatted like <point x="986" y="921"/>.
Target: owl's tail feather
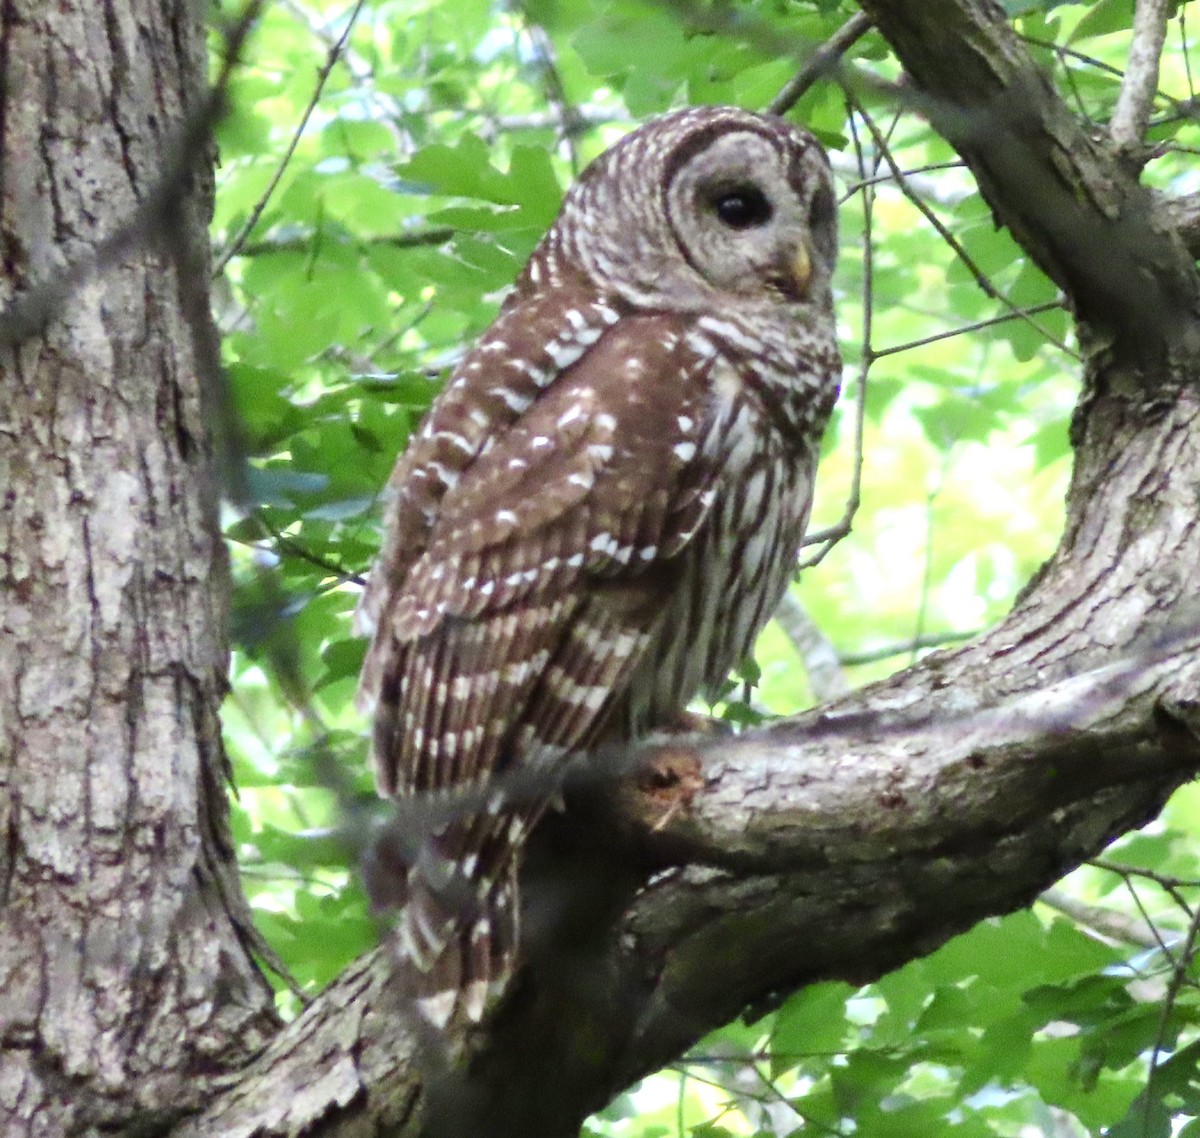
<point x="458" y="931"/>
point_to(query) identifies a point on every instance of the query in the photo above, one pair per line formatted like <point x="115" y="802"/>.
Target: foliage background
<point x="385" y="168"/>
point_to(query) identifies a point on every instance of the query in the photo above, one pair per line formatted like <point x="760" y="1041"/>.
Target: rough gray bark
<point x="123" y="975"/>
<point x="836" y="845"/>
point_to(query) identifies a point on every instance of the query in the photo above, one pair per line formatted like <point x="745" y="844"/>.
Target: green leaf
<point x="1103" y="18"/>
<point x="811" y="1021"/>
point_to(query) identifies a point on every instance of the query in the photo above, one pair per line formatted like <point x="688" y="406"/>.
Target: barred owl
<point x="604" y="505"/>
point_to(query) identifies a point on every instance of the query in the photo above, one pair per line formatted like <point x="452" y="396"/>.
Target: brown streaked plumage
<point x="604" y="506"/>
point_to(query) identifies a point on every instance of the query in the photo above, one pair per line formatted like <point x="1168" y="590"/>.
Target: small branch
<point x="828" y="538"/>
<point x="816" y="651"/>
<point x="1183" y="215"/>
<point x="360" y="70"/>
<point x="1085" y="220"/>
<point x="932" y="188"/>
<point x="582" y="117"/>
<point x="820" y="63"/>
<point x="1132" y="113"/>
<point x="566" y="126"/>
<point x="301" y="242"/>
<point x="1108" y="923"/>
<point x="288" y="545"/>
<point x="1183" y="46"/>
<point x="903" y="648"/>
<point x="980" y="277"/>
<point x="1172" y="886"/>
<point x="963" y="329"/>
<point x="331" y="58"/>
<point x="1178" y="975"/>
<point x="927" y="554"/>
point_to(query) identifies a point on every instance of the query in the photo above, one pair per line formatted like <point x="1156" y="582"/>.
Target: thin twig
<point x="296" y="549"/>
<point x="853" y="187"/>
<point x="331" y="59"/>
<point x="1178" y="975"/>
<point x="1064" y="52"/>
<point x="979" y="276"/>
<point x="1132" y="112"/>
<point x="556" y="90"/>
<point x="1183" y="50"/>
<point x="360" y="69"/>
<point x="820" y="63"/>
<point x="300" y="242"/>
<point x="827" y="538"/>
<point x="1165" y="881"/>
<point x="913" y="644"/>
<point x="927" y="555"/>
<point x="582" y="118"/>
<point x="1004" y="318"/>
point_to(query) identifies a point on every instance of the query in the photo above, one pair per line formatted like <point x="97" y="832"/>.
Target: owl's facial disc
<point x="745" y="214"/>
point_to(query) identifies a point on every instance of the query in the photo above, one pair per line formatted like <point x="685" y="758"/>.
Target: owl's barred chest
<point x="732" y="575"/>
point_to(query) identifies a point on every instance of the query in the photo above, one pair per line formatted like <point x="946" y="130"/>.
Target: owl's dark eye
<point x="743" y="207"/>
<point x="822" y="209"/>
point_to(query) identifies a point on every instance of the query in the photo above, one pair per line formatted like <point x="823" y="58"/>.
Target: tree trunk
<point x="123" y="975"/>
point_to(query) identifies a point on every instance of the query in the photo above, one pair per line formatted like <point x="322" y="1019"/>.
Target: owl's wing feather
<point x="523" y="351"/>
<point x="544" y="565"/>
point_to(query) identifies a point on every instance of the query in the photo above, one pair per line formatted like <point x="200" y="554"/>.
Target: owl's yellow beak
<point x="800" y="269"/>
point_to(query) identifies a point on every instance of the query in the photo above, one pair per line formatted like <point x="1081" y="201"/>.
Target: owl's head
<point x="704" y="205"/>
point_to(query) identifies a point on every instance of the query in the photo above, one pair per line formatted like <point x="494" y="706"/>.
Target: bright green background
<point x="430" y="164"/>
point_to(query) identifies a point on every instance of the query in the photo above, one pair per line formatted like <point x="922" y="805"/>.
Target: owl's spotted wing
<point x="544" y="565"/>
<point x="534" y="538"/>
<point x="526" y="349"/>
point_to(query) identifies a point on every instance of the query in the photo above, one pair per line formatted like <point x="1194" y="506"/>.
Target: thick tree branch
<point x="1074" y="208"/>
<point x="834" y="846"/>
<point x="1183" y="215"/>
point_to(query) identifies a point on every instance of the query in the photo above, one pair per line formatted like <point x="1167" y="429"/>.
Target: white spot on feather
<point x="438" y="1009"/>
<point x="570" y="416"/>
<point x="513" y="400"/>
<point x="562" y="354"/>
<point x="458" y="441"/>
<point x="446" y="477"/>
<point x="603" y="543"/>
